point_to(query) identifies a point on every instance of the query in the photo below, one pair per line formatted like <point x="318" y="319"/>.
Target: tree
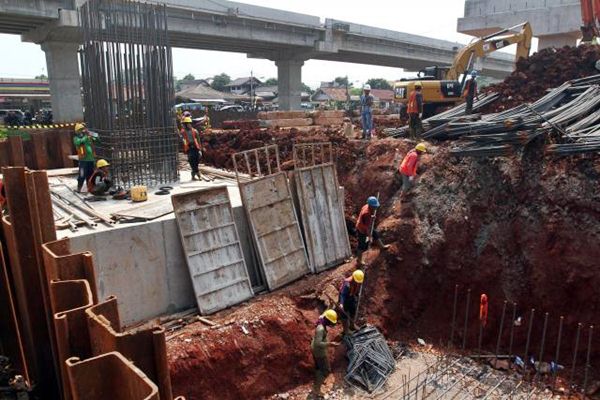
<point x="271" y="82"/>
<point x="188" y="77"/>
<point x="342" y="81"/>
<point x="41" y="77"/>
<point x="379" y="83"/>
<point x="220" y="81"/>
<point x="307" y="89"/>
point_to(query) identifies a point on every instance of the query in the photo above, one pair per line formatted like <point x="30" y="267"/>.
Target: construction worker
<point x="319" y="346"/>
<point x="415" y="111"/>
<point x="348" y="299"/>
<point x="470" y="92"/>
<point x="100" y="182"/>
<point x="84" y="143"/>
<point x="366" y="111"/>
<point x="408" y="166"/>
<point x="365" y="229"/>
<point x="191" y="145"/>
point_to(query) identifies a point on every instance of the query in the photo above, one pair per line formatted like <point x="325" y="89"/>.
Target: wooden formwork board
<point x="212" y="248"/>
<point x="322" y="210"/>
<point x="275" y="229"/>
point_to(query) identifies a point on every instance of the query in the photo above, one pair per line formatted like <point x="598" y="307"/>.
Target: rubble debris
<point x="370" y="359"/>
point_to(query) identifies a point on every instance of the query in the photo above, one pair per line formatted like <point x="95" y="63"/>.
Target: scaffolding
<point x="128" y="89"/>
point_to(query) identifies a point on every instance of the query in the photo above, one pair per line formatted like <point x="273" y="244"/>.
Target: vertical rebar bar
<point x="464" y="343"/>
<point x="587" y="360"/>
<point x="452" y="327"/>
<point x="501" y="328"/>
<point x="512" y="330"/>
<point x="557" y="353"/>
<point x="575" y="350"/>
<point x="526" y="358"/>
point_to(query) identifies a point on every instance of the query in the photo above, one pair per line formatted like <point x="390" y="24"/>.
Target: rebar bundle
<point x="128" y="89"/>
<point x="370" y="359"/>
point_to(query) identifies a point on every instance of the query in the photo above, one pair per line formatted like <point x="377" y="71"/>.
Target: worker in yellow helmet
<point x="100" y="182"/>
<point x="348" y="299"/>
<point x="84" y="142"/>
<point x="319" y="346"/>
<point x="191" y="145"/>
<point x="408" y="167"/>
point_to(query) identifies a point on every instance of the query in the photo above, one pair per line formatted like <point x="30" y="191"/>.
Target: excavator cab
<point x="433" y="73"/>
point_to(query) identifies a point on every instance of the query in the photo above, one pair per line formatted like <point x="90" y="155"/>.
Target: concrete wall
<point x="143" y="265"/>
<point x="554" y="22"/>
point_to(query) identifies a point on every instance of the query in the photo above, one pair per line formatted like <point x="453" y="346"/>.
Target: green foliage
<point x="271" y="82"/>
<point x="379" y="83"/>
<point x="307" y="89"/>
<point x="188" y="77"/>
<point x="220" y="81"/>
<point x="342" y="81"/>
<point x="41" y="77"/>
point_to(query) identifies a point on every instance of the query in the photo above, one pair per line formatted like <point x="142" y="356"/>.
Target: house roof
<point x="205" y="92"/>
<point x="242" y="81"/>
<point x="332" y="94"/>
<point x="383" y="94"/>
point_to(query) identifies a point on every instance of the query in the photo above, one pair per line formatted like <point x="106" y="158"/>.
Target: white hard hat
<point x="367" y="87"/>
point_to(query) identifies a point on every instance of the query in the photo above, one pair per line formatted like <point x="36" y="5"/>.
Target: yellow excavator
<point x="441" y="87"/>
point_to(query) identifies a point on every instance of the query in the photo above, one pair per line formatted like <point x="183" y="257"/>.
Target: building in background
<point x="556" y="23"/>
<point x="24" y="94"/>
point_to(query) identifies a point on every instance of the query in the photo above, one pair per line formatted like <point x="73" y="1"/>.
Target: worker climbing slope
<point x="319" y="346"/>
<point x="348" y="299"/>
<point x="408" y="167"/>
<point x="365" y="229"/>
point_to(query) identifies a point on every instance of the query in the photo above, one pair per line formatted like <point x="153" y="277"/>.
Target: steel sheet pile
<point x="370" y="359"/>
<point x="566" y="116"/>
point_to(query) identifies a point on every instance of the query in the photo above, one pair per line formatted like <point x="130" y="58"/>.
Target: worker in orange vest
<point x="191" y="145"/>
<point x="415" y="111"/>
<point x="365" y="229"/>
<point x="408" y="166"/>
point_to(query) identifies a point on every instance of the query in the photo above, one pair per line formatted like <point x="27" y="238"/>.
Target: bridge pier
<point x="289" y="77"/>
<point x="65" y="85"/>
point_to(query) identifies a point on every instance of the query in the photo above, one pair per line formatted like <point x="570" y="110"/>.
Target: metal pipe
<point x="464" y="343"/>
<point x="587" y="360"/>
<point x="501" y="327"/>
<point x="512" y="328"/>
<point x="453" y="316"/>
<point x="575" y="355"/>
<point x="557" y="353"/>
<point x="526" y="357"/>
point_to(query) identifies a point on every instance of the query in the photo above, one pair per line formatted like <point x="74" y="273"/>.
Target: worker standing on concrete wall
<point x="84" y="143"/>
<point x="408" y="166"/>
<point x="319" y="346"/>
<point x="415" y="111"/>
<point x="191" y="145"/>
<point x="365" y="229"/>
<point x="366" y="111"/>
<point x="470" y="92"/>
<point x="100" y="182"/>
<point x="348" y="297"/>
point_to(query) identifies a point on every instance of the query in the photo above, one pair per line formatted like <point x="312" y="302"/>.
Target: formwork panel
<point x="322" y="212"/>
<point x="212" y="248"/>
<point x="275" y="229"/>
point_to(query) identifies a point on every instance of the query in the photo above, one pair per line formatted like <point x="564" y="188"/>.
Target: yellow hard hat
<point x="358" y="276"/>
<point x="187" y="120"/>
<point x="331" y="316"/>
<point x="418" y="85"/>
<point x="102" y="163"/>
<point x="79" y="127"/>
<point x="421" y="147"/>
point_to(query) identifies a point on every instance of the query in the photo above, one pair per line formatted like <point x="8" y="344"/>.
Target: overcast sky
<point x="433" y="18"/>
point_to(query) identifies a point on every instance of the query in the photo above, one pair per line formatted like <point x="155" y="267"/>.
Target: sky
<point x="433" y="18"/>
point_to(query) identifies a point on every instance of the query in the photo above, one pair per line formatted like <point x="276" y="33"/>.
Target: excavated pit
<point x="524" y="229"/>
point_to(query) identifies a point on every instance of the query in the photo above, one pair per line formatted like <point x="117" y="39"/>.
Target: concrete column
<point x="65" y="86"/>
<point x="289" y="78"/>
<point x="557" y="41"/>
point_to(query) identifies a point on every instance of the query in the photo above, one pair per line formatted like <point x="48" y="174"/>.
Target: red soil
<point x="525" y="229"/>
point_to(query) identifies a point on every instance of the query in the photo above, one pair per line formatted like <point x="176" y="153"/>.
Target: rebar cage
<point x="128" y="89"/>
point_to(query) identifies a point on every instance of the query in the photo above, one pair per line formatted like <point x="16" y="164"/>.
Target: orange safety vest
<point x="365" y="218"/>
<point x="413" y="104"/>
<point x="186" y="145"/>
<point x="409" y="164"/>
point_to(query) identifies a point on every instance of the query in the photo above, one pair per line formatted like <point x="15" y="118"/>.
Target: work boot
<point x="79" y="188"/>
<point x="194" y="176"/>
<point x="359" y="259"/>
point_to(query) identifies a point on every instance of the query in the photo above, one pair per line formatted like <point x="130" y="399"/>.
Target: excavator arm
<point x="488" y="44"/>
<point x="590" y="15"/>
